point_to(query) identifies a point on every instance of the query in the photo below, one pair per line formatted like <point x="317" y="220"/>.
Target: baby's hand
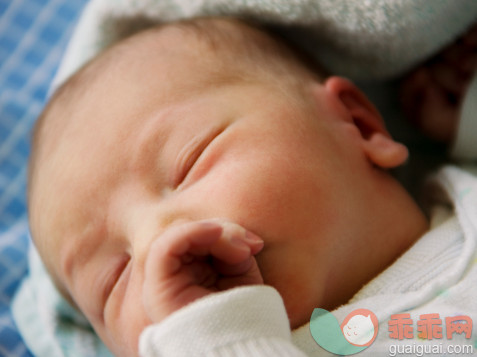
<point x="194" y="259"/>
<point x="432" y="95"/>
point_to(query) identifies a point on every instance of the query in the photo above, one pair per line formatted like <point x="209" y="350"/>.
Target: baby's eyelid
<point x="186" y="164"/>
<point x="191" y="154"/>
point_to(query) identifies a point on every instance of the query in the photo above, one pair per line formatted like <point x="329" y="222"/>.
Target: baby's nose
<point x="145" y="227"/>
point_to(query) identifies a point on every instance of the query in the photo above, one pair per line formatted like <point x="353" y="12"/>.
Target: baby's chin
<point x="299" y="318"/>
<point x="301" y="293"/>
<point x="299" y="305"/>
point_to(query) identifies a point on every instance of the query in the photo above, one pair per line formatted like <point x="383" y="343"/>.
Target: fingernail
<point x="210" y="224"/>
<point x="252" y="237"/>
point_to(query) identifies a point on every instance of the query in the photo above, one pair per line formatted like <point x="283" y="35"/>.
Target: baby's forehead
<point x="105" y="101"/>
<point x="120" y="72"/>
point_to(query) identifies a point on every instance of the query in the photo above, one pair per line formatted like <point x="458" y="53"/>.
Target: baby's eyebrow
<point x="151" y="140"/>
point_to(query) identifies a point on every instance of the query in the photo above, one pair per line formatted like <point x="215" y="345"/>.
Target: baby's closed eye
<point x="118" y="275"/>
<point x="191" y="153"/>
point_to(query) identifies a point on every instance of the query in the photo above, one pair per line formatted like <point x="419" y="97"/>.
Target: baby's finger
<point x="438" y="118"/>
<point x="470" y="38"/>
<point x="412" y="91"/>
<point x="449" y="78"/>
<point x="236" y="244"/>
<point x="175" y="246"/>
<point x="468" y="64"/>
<point x="251" y="276"/>
<point x="226" y="269"/>
<point x="461" y="58"/>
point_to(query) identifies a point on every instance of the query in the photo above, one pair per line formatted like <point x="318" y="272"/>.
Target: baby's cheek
<point x="273" y="194"/>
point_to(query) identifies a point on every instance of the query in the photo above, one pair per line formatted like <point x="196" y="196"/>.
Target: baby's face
<point x="154" y="143"/>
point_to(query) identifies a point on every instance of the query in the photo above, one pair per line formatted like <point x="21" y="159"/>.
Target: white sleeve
<point x="465" y="145"/>
<point x="245" y="321"/>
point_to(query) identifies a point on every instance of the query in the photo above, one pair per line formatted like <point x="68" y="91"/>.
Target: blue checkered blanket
<point x="33" y="35"/>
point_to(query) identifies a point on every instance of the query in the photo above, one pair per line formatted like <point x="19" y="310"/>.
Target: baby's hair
<point x="251" y="54"/>
<point x="256" y="47"/>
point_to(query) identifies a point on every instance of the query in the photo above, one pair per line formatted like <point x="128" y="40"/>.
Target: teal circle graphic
<point x="326" y="331"/>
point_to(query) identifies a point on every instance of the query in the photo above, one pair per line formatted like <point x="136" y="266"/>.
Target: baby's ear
<point x="376" y="142"/>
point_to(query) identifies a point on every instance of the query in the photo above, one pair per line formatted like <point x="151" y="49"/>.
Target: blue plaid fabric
<point x="33" y="36"/>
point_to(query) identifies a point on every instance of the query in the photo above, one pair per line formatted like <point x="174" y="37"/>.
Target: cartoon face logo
<point x="360" y="327"/>
<point x="357" y="332"/>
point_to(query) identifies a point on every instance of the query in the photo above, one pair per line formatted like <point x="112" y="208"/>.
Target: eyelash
<point x="186" y="166"/>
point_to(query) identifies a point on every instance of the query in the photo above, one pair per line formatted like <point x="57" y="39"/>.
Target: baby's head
<point x="202" y="119"/>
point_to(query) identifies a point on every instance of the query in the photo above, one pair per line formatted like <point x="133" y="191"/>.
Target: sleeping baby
<point x="200" y="187"/>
